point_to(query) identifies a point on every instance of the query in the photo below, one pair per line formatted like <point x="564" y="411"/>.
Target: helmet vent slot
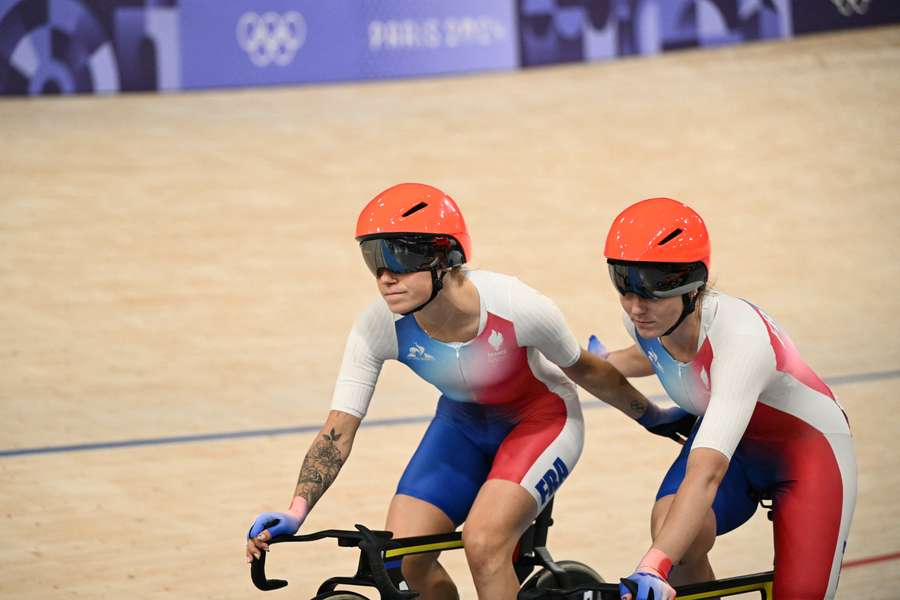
<point x="415" y="208"/>
<point x="669" y="237"/>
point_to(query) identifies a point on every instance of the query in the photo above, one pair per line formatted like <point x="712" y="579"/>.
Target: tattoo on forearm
<point x="320" y="468"/>
<point x="637" y="405"/>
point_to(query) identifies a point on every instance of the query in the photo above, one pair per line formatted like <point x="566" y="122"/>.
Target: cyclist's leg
<point x="502" y="511"/>
<point x="813" y="511"/>
<point x="408" y="517"/>
<point x="434" y="495"/>
<point x="530" y="464"/>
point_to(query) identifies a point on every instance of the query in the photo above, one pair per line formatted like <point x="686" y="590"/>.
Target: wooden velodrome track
<point x="183" y="265"/>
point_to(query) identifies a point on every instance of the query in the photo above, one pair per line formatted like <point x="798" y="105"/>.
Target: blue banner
<point x="259" y="42"/>
<point x="554" y="31"/>
<point x="74" y="46"/>
<point x="827" y="15"/>
<point x="419" y="37"/>
<point x="107" y="46"/>
<point x="266" y="42"/>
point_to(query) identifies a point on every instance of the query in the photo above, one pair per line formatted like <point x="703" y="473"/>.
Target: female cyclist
<point x="508" y="427"/>
<point x="769" y="426"/>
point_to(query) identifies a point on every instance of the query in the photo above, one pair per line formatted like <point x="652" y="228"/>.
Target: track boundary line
<point x="391" y="422"/>
<point x="868" y="560"/>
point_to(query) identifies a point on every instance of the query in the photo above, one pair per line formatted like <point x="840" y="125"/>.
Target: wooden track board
<point x="177" y="265"/>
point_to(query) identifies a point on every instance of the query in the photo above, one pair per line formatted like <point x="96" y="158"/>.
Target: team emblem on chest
<point x="417" y="352"/>
<point x="496" y="342"/>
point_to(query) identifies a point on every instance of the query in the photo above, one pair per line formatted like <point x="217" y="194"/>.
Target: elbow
<point x="701" y="487"/>
<point x="713" y="479"/>
<point x="706" y="468"/>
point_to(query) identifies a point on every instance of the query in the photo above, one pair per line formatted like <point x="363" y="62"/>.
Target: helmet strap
<point x="437" y="284"/>
<point x="689" y="303"/>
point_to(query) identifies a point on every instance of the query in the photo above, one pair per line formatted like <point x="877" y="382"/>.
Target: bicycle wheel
<point x="579" y="575"/>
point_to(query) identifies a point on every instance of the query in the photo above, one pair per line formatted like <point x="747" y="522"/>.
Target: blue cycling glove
<point x="649" y="580"/>
<point x="645" y="586"/>
<point x="595" y="346"/>
<point x="281" y="523"/>
<point x="672" y="422"/>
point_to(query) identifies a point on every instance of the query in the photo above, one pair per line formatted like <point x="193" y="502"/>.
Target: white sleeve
<point x="372" y="340"/>
<point x="540" y="324"/>
<point x="742" y="366"/>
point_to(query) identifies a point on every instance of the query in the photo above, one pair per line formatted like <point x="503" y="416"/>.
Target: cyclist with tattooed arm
<point x="508" y="428"/>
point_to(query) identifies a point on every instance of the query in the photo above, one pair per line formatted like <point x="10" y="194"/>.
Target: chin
<point x="397" y="306"/>
<point x="648" y="332"/>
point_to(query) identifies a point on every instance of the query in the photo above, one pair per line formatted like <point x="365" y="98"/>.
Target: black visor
<point x="657" y="280"/>
<point x="405" y="254"/>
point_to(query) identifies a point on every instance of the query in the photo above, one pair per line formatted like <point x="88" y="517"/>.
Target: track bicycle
<point x="380" y="556"/>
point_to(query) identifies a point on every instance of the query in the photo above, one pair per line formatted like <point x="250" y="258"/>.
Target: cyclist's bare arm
<point x="631" y="362"/>
<point x="326" y="455"/>
<point x="321" y="465"/>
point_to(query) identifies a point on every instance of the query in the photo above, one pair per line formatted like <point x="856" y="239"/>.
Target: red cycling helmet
<point x="413" y="227"/>
<point x="659" y="248"/>
<point x="418" y="210"/>
<point x="659" y="230"/>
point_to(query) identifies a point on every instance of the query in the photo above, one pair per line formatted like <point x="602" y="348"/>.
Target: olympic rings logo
<point x="850" y="7"/>
<point x="271" y="38"/>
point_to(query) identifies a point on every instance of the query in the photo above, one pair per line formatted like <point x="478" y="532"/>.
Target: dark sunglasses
<point x="657" y="280"/>
<point x="404" y="254"/>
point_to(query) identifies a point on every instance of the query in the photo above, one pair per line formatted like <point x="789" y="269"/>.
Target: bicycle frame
<point x="718" y="588"/>
<point x="381" y="555"/>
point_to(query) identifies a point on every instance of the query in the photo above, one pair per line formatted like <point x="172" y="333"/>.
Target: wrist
<point x="299" y="507"/>
<point x="656" y="562"/>
<point x="650" y="416"/>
